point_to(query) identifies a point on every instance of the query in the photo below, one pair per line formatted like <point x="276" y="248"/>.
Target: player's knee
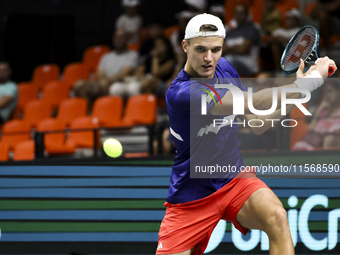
<point x="277" y="222"/>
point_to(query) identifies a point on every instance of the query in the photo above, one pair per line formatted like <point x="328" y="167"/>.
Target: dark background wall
<point x="33" y="32"/>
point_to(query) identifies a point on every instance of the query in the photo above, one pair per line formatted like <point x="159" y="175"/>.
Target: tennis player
<point x="195" y="205"/>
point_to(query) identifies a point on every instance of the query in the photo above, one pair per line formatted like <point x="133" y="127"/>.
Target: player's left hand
<point x="300" y="73"/>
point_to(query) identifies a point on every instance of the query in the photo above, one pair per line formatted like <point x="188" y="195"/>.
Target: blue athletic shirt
<point x="197" y="142"/>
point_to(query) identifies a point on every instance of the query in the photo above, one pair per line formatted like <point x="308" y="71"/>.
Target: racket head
<point x="303" y="45"/>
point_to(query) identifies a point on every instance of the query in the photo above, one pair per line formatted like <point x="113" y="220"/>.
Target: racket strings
<point x="300" y="47"/>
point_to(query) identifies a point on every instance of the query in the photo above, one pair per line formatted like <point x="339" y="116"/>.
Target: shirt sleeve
<point x="119" y="22"/>
<point x="134" y="59"/>
<point x="101" y="65"/>
<point x="11" y="90"/>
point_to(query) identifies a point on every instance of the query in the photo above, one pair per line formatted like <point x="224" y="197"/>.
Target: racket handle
<point x="331" y="70"/>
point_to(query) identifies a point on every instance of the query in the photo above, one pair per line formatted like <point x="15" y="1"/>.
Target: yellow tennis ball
<point x="113" y="148"/>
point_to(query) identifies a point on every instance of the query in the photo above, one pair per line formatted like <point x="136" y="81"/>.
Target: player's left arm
<point x="268" y="121"/>
<point x="271" y="119"/>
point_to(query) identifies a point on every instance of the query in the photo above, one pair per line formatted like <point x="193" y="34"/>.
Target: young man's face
<point x="203" y="54"/>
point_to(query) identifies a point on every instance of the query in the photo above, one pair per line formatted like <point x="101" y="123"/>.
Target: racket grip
<point x="331" y="70"/>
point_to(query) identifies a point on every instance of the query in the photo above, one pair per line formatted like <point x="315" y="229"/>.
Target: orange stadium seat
<point x="82" y="139"/>
<point x="169" y="30"/>
<point x="45" y="73"/>
<point x="133" y="46"/>
<point x="53" y="94"/>
<point x="256" y="11"/>
<point x="72" y="73"/>
<point x="108" y="111"/>
<point x="24" y="151"/>
<point x="55" y="142"/>
<point x="4" y="151"/>
<point x="140" y="110"/>
<point x="71" y="108"/>
<point x="92" y="56"/>
<point x="14" y="132"/>
<point x="36" y="111"/>
<point x="26" y="92"/>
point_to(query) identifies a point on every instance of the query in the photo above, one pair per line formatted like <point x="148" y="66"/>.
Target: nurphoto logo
<point x="238" y="104"/>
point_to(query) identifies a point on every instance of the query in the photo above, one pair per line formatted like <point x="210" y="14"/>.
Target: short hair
<point x="206" y="28"/>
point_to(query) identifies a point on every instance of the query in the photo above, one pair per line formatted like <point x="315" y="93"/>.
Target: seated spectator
<point x="153" y="73"/>
<point x="324" y="129"/>
<point x="242" y="44"/>
<point x="281" y="36"/>
<point x="8" y="92"/>
<point x="271" y="17"/>
<point x="154" y="30"/>
<point x="114" y="66"/>
<point x="130" y="20"/>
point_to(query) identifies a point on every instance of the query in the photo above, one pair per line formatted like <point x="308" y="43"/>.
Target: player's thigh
<point x="262" y="210"/>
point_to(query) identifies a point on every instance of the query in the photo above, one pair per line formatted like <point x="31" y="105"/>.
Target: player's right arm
<point x="262" y="100"/>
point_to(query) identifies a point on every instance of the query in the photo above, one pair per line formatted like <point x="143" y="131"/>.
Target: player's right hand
<point x="322" y="66"/>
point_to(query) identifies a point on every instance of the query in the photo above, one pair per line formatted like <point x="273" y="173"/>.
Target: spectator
<point x="160" y="65"/>
<point x="8" y="92"/>
<point x="271" y="17"/>
<point x="281" y="36"/>
<point x="327" y="12"/>
<point x="114" y="66"/>
<point x="154" y="30"/>
<point x="242" y="44"/>
<point x="324" y="129"/>
<point x="130" y="20"/>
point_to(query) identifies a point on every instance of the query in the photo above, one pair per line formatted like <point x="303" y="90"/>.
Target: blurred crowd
<point x="145" y="60"/>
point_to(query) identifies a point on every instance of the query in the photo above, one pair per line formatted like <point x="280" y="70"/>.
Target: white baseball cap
<point x="193" y="28"/>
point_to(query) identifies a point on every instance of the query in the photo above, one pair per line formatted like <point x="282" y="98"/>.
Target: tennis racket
<point x="303" y="45"/>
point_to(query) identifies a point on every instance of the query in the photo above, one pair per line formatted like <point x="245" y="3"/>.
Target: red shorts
<point x="190" y="224"/>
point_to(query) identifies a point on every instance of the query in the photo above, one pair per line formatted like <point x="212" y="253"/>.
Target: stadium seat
<point x="4" y="151"/>
<point x="82" y="139"/>
<point x="71" y="108"/>
<point x="36" y="111"/>
<point x="254" y="10"/>
<point x="53" y="94"/>
<point x="140" y="110"/>
<point x="14" y="132"/>
<point x="92" y="56"/>
<point x="24" y="151"/>
<point x="45" y="73"/>
<point x="55" y="142"/>
<point x="108" y="111"/>
<point x="133" y="46"/>
<point x="27" y="91"/>
<point x="169" y="30"/>
<point x="72" y="73"/>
